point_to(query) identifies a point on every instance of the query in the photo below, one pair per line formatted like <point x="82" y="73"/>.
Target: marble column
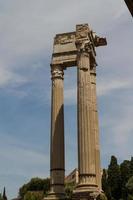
<point x="57" y="134"/>
<point x="94" y="124"/>
<point x="86" y="154"/>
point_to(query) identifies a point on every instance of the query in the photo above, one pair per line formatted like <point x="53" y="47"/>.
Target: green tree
<point x="35" y="184"/>
<point x="1" y="197"/>
<point x="125" y="175"/>
<point x="114" y="179"/>
<point x="131" y="167"/>
<point x="105" y="186"/>
<point x="104" y="180"/>
<point x="69" y="187"/>
<point x="129" y="186"/>
<point x="34" y="195"/>
<point x="101" y="196"/>
<point x="130" y="197"/>
<point x="4" y="194"/>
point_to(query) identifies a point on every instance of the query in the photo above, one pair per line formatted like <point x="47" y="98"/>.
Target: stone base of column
<point x="85" y="195"/>
<point x="85" y="192"/>
<point x="55" y="196"/>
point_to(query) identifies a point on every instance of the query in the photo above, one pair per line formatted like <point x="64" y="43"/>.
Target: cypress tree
<point x="114" y="179"/>
<point x="129" y="186"/>
<point x="104" y="180"/>
<point x="125" y="175"/>
<point x="105" y="186"/>
<point x="4" y="194"/>
<point x="131" y="167"/>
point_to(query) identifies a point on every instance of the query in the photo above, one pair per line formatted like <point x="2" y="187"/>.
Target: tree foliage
<point x="101" y="196"/>
<point x="69" y="187"/>
<point x="117" y="181"/>
<point x="104" y="182"/>
<point x="131" y="167"/>
<point x="129" y="185"/>
<point x="34" y="195"/>
<point x="1" y="197"/>
<point x="125" y="175"/>
<point x="114" y="178"/>
<point x="35" y="184"/>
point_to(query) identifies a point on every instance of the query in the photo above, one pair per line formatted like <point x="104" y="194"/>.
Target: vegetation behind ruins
<point x="117" y="180"/>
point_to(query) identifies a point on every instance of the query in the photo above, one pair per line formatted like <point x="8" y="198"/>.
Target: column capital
<point x="57" y="72"/>
<point x="83" y="54"/>
<point x="83" y="46"/>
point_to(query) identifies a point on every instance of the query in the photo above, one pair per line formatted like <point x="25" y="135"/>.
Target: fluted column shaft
<point x="57" y="132"/>
<point x="86" y="158"/>
<point x="94" y="124"/>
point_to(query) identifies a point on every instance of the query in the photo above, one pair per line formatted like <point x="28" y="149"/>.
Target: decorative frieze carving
<point x="64" y="38"/>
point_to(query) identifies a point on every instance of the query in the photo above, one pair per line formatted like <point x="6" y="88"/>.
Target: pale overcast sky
<point x="27" y="28"/>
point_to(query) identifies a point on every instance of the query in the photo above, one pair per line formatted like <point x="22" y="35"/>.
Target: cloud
<point x="25" y="160"/>
<point x="70" y="95"/>
<point x="106" y="87"/>
<point x="28" y="28"/>
<point x="8" y="77"/>
<point x="115" y="125"/>
<point x="20" y="162"/>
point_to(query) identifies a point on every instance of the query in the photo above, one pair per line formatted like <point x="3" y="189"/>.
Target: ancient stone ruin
<point x="76" y="49"/>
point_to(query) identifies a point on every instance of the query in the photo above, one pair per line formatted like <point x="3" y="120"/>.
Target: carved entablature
<point x="65" y="51"/>
<point x="67" y="46"/>
<point x="66" y="38"/>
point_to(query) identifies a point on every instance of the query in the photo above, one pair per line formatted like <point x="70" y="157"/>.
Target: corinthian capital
<point x="83" y="56"/>
<point x="57" y="72"/>
<point x="83" y="46"/>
